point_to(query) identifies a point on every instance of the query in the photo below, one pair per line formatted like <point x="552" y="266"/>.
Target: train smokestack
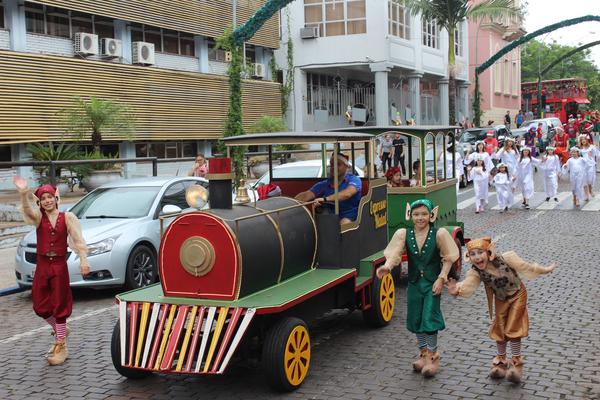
<point x="220" y="185"/>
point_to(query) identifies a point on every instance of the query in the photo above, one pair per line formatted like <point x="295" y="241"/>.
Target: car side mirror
<point x="170" y="209"/>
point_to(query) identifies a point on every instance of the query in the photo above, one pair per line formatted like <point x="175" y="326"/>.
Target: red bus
<point x="560" y="98"/>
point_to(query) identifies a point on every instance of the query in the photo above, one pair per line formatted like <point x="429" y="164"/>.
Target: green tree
<point x="448" y="14"/>
<point x="95" y="117"/>
<point x="536" y="56"/>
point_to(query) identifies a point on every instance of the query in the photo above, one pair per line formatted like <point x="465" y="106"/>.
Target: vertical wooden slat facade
<point x="200" y="17"/>
<point x="169" y="105"/>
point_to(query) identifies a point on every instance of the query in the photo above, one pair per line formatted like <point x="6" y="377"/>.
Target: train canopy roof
<point x="418" y="130"/>
<point x="297" y="138"/>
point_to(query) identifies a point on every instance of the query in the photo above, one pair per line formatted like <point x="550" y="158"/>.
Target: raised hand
<point x="20" y="183"/>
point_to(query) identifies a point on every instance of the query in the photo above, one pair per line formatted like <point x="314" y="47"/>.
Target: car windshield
<point x="121" y="202"/>
<point x="471" y="136"/>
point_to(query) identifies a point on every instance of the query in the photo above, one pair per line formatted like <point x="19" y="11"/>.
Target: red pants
<point x="50" y="292"/>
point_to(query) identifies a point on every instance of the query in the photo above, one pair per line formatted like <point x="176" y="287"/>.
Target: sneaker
<point x="506" y="208"/>
<point x="547" y="198"/>
<point x="527" y="206"/>
<point x="556" y="199"/>
<point x="476" y="211"/>
<point x="59" y="353"/>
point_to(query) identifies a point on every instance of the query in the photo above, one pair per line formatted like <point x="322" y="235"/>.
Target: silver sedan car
<point x="120" y="224"/>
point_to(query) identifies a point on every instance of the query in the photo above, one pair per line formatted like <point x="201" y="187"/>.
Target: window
<point x="2" y="15"/>
<point x="399" y="19"/>
<point x="431" y="34"/>
<point x="104" y="27"/>
<point x="336" y="17"/>
<point x="166" y="149"/>
<point x="55" y="21"/>
<point x="515" y="79"/>
<point x="5" y="153"/>
<point x="164" y="40"/>
<point x="459" y="41"/>
<point x="81" y="22"/>
<point x="215" y="54"/>
<point x="34" y="18"/>
<point x="250" y="54"/>
<point x="506" y="73"/>
<point x="497" y="78"/>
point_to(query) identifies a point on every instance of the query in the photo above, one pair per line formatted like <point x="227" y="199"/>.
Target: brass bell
<point x="241" y="194"/>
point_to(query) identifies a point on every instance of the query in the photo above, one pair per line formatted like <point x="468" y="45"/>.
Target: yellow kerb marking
<point x="141" y="332"/>
<point x="213" y="344"/>
<point x="167" y="331"/>
<point x="186" y="339"/>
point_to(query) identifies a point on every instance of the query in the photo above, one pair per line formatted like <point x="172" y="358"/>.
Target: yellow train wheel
<point x="383" y="300"/>
<point x="387" y="300"/>
<point x="286" y="354"/>
<point x="297" y="355"/>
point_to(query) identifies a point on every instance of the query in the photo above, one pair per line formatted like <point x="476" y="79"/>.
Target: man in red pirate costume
<point x="50" y="292"/>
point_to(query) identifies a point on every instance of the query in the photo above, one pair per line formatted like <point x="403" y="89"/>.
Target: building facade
<point x="158" y="57"/>
<point x="500" y="85"/>
<point x="372" y="58"/>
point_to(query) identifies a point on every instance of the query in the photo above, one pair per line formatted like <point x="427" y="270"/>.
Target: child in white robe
<point x="503" y="184"/>
<point x="589" y="153"/>
<point x="525" y="175"/>
<point x="480" y="152"/>
<point x="480" y="178"/>
<point x="576" y="168"/>
<point x="551" y="166"/>
<point x="509" y="156"/>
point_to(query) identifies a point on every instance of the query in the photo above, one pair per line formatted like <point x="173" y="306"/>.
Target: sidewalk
<point x="7" y="268"/>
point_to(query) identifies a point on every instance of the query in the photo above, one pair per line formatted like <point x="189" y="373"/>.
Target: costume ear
<point x="434" y="214"/>
<point x="492" y="251"/>
<point x="37" y="200"/>
<point x="57" y="195"/>
<point x="407" y="216"/>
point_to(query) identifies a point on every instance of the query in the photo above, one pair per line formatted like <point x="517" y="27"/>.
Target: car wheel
<point x="141" y="267"/>
<point x="115" y="353"/>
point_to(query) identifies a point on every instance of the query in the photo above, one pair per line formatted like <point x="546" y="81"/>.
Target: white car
<point x="120" y="224"/>
<point x="298" y="169"/>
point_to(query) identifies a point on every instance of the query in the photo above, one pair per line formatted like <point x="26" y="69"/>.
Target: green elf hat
<point x="433" y="210"/>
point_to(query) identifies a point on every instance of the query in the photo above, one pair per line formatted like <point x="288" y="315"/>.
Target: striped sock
<point x="52" y="322"/>
<point x="61" y="331"/>
<point x="515" y="347"/>
<point x="422" y="339"/>
<point x="432" y="343"/>
<point x="501" y="346"/>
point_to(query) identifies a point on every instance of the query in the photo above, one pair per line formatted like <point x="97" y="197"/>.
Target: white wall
<point x="215" y="67"/>
<point x="176" y="62"/>
<point x="49" y="45"/>
<point x="4" y="39"/>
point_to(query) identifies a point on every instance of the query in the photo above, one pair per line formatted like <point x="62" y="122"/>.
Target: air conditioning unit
<point x="85" y="43"/>
<point x="259" y="71"/>
<point x="143" y="53"/>
<point x="112" y="47"/>
<point x="311" y="32"/>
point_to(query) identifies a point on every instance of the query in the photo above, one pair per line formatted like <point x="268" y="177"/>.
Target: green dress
<point x="424" y="313"/>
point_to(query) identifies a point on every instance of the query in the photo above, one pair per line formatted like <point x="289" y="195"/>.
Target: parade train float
<point x="244" y="279"/>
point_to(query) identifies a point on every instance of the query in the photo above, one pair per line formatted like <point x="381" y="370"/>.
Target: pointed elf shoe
<point x="499" y="367"/>
<point x="432" y="366"/>
<point x="59" y="353"/>
<point x="422" y="360"/>
<point x="515" y="370"/>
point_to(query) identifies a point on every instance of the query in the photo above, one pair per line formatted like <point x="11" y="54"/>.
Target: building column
<point x="127" y="150"/>
<point x="15" y="23"/>
<point x="382" y="107"/>
<point x="202" y="53"/>
<point x="463" y="100"/>
<point x="123" y="33"/>
<point x="444" y="103"/>
<point x="414" y="93"/>
<point x="294" y="117"/>
<point x="20" y="153"/>
<point x="267" y="57"/>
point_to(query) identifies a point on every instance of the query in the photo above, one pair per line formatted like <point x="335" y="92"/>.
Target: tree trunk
<point x="96" y="140"/>
<point x="451" y="76"/>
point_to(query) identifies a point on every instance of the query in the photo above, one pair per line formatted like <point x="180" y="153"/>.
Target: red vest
<point x="52" y="240"/>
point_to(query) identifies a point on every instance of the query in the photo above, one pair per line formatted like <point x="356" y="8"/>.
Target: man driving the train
<point x="349" y="190"/>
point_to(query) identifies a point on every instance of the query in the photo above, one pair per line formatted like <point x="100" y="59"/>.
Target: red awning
<point x="580" y="100"/>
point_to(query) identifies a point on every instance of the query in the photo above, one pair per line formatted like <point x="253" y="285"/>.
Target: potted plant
<point x="90" y="119"/>
<point x="94" y="175"/>
<point x="54" y="152"/>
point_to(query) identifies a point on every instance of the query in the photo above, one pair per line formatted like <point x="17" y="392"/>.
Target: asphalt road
<point x="350" y="360"/>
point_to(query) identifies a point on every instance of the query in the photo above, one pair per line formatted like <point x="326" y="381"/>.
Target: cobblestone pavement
<point x="351" y="361"/>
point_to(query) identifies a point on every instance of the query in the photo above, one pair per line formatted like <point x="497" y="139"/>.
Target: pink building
<point x="500" y="85"/>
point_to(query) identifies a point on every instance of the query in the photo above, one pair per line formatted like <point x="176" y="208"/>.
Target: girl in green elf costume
<point x="431" y="253"/>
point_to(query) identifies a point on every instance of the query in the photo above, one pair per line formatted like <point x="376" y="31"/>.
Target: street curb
<point x="12" y="290"/>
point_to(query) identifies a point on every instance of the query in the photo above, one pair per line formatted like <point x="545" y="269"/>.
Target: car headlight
<point x="102" y="246"/>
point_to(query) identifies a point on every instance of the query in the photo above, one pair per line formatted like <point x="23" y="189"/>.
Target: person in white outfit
<point x="525" y="175"/>
<point x="480" y="152"/>
<point x="551" y="166"/>
<point x="480" y="177"/>
<point x="576" y="167"/>
<point x="458" y="164"/>
<point x="503" y="184"/>
<point x="589" y="153"/>
<point x="508" y="156"/>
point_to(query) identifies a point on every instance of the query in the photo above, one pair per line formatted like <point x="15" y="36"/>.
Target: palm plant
<point x="52" y="152"/>
<point x="449" y="14"/>
<point x="95" y="117"/>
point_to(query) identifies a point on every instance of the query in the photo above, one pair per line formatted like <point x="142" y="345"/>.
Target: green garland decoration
<point x="244" y="32"/>
<point x="529" y="36"/>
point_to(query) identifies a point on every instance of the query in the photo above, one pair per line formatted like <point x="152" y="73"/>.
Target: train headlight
<point x="196" y="196"/>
